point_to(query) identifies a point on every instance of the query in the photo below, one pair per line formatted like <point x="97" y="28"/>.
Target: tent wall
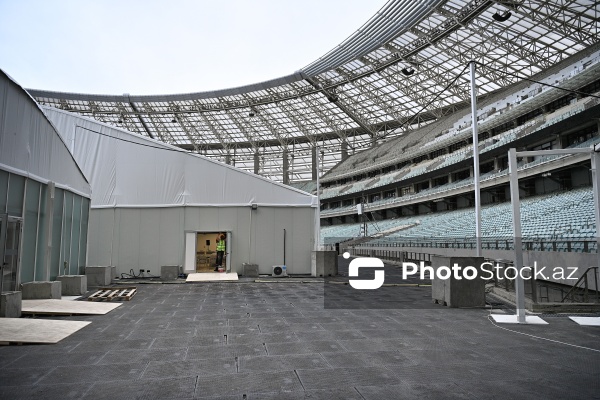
<point x="44" y="196"/>
<point x="136" y="238"/>
<point x="129" y="170"/>
<point x="147" y="194"/>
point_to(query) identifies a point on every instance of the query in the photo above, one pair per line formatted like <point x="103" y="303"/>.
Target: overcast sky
<point x="175" y="46"/>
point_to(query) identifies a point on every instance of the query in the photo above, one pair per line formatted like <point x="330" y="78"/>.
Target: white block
<point x="512" y="319"/>
<point x="587" y="321"/>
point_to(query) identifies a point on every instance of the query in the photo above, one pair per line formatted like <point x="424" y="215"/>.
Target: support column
<point x="475" y="159"/>
<point x="256" y="163"/>
<point x="496" y="163"/>
<point x="286" y="167"/>
<point x="344" y="150"/>
<point x="516" y="217"/>
<point x="595" y="158"/>
<point x="48" y="228"/>
<point x="314" y="162"/>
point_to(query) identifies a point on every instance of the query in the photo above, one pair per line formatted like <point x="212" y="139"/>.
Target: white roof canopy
<point x="128" y="170"/>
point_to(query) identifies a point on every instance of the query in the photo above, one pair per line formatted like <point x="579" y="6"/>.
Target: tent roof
<point x="128" y="170"/>
<point x="30" y="145"/>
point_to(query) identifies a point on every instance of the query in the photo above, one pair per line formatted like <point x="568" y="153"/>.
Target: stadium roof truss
<point x="405" y="67"/>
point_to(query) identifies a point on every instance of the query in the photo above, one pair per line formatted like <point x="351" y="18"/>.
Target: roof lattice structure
<point x="403" y="68"/>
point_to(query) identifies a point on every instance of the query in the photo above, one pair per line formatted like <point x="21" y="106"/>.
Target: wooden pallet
<point x="113" y="294"/>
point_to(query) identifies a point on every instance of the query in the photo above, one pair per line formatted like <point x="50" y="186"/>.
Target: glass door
<point x="10" y="241"/>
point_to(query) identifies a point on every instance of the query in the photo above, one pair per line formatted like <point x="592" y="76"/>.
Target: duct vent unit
<point x="279" y="270"/>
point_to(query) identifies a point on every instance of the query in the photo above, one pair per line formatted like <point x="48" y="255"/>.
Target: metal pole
<point x="516" y="217"/>
<point x="595" y="158"/>
<point x="475" y="158"/>
<point x="318" y="216"/>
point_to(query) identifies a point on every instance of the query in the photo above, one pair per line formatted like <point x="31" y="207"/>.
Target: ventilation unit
<point x="279" y="270"/>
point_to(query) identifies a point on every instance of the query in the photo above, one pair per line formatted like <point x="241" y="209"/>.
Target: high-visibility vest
<point x="221" y="245"/>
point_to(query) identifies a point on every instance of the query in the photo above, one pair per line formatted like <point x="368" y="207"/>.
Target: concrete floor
<point x="248" y="340"/>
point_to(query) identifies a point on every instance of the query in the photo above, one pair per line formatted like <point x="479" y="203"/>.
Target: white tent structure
<point x="150" y="199"/>
<point x="44" y="196"/>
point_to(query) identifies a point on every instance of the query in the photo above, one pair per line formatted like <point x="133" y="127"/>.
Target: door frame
<point x="4" y="220"/>
<point x="187" y="256"/>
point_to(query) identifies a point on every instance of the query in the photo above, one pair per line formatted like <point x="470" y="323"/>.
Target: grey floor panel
<point x="136" y="356"/>
<point x="367" y="359"/>
<point x="304" y="347"/>
<point x="346" y="377"/>
<point x="249" y="321"/>
<point x="172" y="388"/>
<point x="208" y="367"/>
<point x="329" y="394"/>
<point x="281" y="363"/>
<point x="283" y="337"/>
<point x="22" y="376"/>
<point x="373" y="344"/>
<point x="223" y="351"/>
<point x="53" y="360"/>
<point x="91" y="345"/>
<point x="416" y="391"/>
<point x="307" y="327"/>
<point x="142" y="349"/>
<point x="329" y="335"/>
<point x="285" y="381"/>
<point x="6" y="358"/>
<point x="93" y="373"/>
<point x="47" y="392"/>
<point x="141" y="344"/>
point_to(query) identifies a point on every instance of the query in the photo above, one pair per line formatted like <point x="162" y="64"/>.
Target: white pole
<point x="475" y="159"/>
<point x="318" y="216"/>
<point x="516" y="217"/>
<point x="595" y="157"/>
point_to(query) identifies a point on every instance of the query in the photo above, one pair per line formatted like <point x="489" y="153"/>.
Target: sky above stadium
<point x="171" y="46"/>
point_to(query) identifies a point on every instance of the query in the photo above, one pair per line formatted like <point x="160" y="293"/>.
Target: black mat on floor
<point x="277" y="341"/>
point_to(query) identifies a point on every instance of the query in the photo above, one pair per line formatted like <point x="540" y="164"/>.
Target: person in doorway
<point x="220" y="250"/>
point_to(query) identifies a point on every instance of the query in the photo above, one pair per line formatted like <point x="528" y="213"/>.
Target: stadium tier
<point x="564" y="220"/>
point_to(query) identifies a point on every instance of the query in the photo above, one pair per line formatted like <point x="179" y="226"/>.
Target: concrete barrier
<point x="98" y="276"/>
<point x="169" y="272"/>
<point x="458" y="292"/>
<point x="324" y="263"/>
<point x="250" y="270"/>
<point x="41" y="290"/>
<point x="10" y="305"/>
<point x="73" y="285"/>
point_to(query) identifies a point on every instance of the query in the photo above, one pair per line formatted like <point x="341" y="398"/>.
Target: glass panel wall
<point x="65" y="218"/>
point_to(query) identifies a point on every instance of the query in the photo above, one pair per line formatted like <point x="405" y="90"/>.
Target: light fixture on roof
<point x="174" y="120"/>
<point x="502" y="17"/>
<point x="253" y="112"/>
<point x="408" y="71"/>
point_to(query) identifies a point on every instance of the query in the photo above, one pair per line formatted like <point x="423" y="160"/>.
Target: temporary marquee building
<point x="44" y="196"/>
<point x="150" y="200"/>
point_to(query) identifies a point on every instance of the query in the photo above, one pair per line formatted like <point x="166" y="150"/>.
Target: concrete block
<point x="98" y="276"/>
<point x="73" y="285"/>
<point x="458" y="292"/>
<point x="42" y="290"/>
<point x="10" y="305"/>
<point x="169" y="272"/>
<point x="324" y="263"/>
<point x="250" y="270"/>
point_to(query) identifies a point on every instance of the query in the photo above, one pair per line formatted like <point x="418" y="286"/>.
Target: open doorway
<point x="201" y="251"/>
